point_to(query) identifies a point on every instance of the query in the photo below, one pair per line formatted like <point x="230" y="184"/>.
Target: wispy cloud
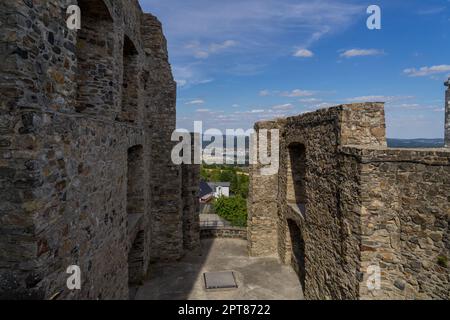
<point x="195" y="102"/>
<point x="202" y="52"/>
<point x="256" y="31"/>
<point x="427" y="71"/>
<point x="286" y="106"/>
<point x="189" y="75"/>
<point x="203" y="110"/>
<point x="375" y="98"/>
<point x="361" y="53"/>
<point x="254" y="111"/>
<point x="297" y="93"/>
<point x="310" y="100"/>
<point x="430" y="11"/>
<point x="264" y="93"/>
<point x="304" y="53"/>
<point x="236" y="19"/>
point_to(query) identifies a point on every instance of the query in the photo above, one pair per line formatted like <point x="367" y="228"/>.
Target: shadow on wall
<point x="298" y="251"/>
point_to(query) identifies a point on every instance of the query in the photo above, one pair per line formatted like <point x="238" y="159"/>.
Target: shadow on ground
<point x="257" y="278"/>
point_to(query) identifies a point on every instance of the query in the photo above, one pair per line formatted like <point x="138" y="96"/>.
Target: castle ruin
<point x="86" y="176"/>
<point x="343" y="206"/>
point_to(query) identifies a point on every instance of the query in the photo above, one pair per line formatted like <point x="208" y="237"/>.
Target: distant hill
<point x="415" y="143"/>
<point x="392" y="143"/>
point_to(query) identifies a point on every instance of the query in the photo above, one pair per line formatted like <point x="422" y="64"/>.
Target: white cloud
<point x="427" y="71"/>
<point x="287" y="106"/>
<point x="253" y="29"/>
<point x="203" y="110"/>
<point x="297" y="93"/>
<point x="189" y="75"/>
<point x="258" y="111"/>
<point x="217" y="47"/>
<point x="195" y="102"/>
<point x="254" y="111"/>
<point x="181" y="82"/>
<point x="304" y="53"/>
<point x="264" y="93"/>
<point x="310" y="100"/>
<point x="361" y="53"/>
<point x="202" y="52"/>
<point x="387" y="99"/>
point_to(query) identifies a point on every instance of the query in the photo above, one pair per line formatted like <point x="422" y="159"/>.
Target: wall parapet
<point x="223" y="232"/>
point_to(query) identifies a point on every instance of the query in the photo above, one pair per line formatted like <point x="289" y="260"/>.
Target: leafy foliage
<point x="232" y="209"/>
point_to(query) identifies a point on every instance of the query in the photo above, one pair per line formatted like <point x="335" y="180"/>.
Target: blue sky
<point x="240" y="61"/>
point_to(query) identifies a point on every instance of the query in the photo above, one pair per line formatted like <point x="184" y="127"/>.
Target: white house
<point x="221" y="189"/>
<point x="210" y="190"/>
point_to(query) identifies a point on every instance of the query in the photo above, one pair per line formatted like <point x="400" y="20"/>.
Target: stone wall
<point x="223" y="232"/>
<point x="86" y="176"/>
<point x="447" y="114"/>
<point x="318" y="225"/>
<point x="404" y="221"/>
<point x="262" y="207"/>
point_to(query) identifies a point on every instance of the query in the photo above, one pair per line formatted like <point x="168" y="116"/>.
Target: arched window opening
<point x="130" y="84"/>
<point x="94" y="51"/>
<point x="296" y="177"/>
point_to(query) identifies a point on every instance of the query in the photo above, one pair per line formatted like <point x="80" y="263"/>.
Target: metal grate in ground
<point x="220" y="280"/>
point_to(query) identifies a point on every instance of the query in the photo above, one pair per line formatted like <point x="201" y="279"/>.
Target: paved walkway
<point x="257" y="278"/>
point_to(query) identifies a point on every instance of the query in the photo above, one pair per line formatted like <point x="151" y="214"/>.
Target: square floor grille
<point x="220" y="280"/>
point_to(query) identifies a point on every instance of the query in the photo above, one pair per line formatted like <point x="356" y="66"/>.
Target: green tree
<point x="233" y="209"/>
<point x="226" y="175"/>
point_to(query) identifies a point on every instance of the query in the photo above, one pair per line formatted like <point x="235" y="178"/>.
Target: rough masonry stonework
<point x="86" y="176"/>
<point x="447" y="114"/>
<point x="342" y="203"/>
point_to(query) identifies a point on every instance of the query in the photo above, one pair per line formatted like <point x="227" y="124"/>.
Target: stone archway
<point x="130" y="82"/>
